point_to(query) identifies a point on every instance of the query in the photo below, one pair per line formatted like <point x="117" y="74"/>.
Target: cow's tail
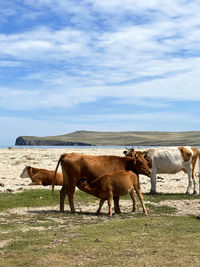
<point x="54" y="178"/>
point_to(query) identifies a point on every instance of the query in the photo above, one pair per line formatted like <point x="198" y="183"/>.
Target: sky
<point x="117" y="65"/>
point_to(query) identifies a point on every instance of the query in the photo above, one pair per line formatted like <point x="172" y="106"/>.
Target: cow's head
<point x="140" y="164"/>
<point x="130" y="152"/>
<point x="25" y="172"/>
<point x="82" y="183"/>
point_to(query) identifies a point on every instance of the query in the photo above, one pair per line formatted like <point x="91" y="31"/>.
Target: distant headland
<point x="129" y="138"/>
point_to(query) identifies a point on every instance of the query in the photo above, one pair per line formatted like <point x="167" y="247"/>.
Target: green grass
<point x="158" y="197"/>
<point x="36" y="198"/>
<point x="140" y="241"/>
<point x="50" y="238"/>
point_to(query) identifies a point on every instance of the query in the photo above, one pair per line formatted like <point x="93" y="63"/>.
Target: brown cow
<point x="41" y="176"/>
<point x="77" y="166"/>
<point x="117" y="183"/>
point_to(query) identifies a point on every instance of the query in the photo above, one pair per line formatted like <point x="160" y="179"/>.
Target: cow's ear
<point x="125" y="152"/>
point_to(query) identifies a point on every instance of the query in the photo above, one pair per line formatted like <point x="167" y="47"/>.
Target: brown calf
<point x="41" y="176"/>
<point x="78" y="166"/>
<point x="117" y="183"/>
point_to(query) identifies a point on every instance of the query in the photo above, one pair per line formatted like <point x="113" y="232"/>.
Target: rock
<point x="20" y="188"/>
<point x="9" y="190"/>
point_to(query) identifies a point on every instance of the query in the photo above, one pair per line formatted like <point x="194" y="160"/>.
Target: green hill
<point x="88" y="138"/>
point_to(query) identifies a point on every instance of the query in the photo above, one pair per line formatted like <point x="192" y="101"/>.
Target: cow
<point x="114" y="184"/>
<point x="172" y="160"/>
<point x="76" y="166"/>
<point x="41" y="176"/>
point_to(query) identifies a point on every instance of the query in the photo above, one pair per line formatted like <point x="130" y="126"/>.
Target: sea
<point x="79" y="147"/>
<point x="71" y="147"/>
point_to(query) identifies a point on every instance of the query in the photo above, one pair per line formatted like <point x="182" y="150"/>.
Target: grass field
<point x="36" y="234"/>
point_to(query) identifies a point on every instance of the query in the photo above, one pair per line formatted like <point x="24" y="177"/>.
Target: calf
<point x="117" y="183"/>
<point x="41" y="176"/>
<point x="172" y="160"/>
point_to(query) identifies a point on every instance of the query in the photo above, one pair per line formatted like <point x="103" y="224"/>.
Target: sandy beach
<point x="14" y="160"/>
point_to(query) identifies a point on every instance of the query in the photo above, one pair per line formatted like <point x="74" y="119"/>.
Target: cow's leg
<point x="110" y="198"/>
<point x="63" y="193"/>
<point x="189" y="181"/>
<point x="194" y="182"/>
<point x="100" y="206"/>
<point x="132" y="194"/>
<point x="153" y="181"/>
<point x="194" y="179"/>
<point x="194" y="186"/>
<point x="116" y="205"/>
<point x="36" y="179"/>
<point x="139" y="193"/>
<point x="70" y="193"/>
<point x="39" y="182"/>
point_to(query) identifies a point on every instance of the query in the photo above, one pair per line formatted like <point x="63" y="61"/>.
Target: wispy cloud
<point x="64" y="53"/>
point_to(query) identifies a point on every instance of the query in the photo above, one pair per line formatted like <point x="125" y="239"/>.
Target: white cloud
<point x="43" y="44"/>
<point x="62" y="92"/>
<point x="62" y="53"/>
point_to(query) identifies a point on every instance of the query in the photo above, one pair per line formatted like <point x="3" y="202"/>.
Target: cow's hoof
<point x="195" y="192"/>
<point x="73" y="211"/>
<point x="153" y="192"/>
<point x="187" y="193"/>
<point x="117" y="211"/>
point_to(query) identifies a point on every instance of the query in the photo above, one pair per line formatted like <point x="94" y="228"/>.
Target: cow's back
<point x="167" y="160"/>
<point x="76" y="166"/>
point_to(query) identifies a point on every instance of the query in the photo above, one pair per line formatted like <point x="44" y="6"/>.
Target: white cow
<point x="170" y="161"/>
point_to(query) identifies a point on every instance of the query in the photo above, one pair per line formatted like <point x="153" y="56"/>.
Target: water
<point x="71" y="147"/>
<point x="46" y="147"/>
<point x="79" y="147"/>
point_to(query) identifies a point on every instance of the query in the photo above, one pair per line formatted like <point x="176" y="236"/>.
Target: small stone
<point x="97" y="241"/>
<point x="10" y="190"/>
<point x="20" y="188"/>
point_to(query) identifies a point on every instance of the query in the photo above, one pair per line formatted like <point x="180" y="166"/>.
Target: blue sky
<point x="117" y="65"/>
